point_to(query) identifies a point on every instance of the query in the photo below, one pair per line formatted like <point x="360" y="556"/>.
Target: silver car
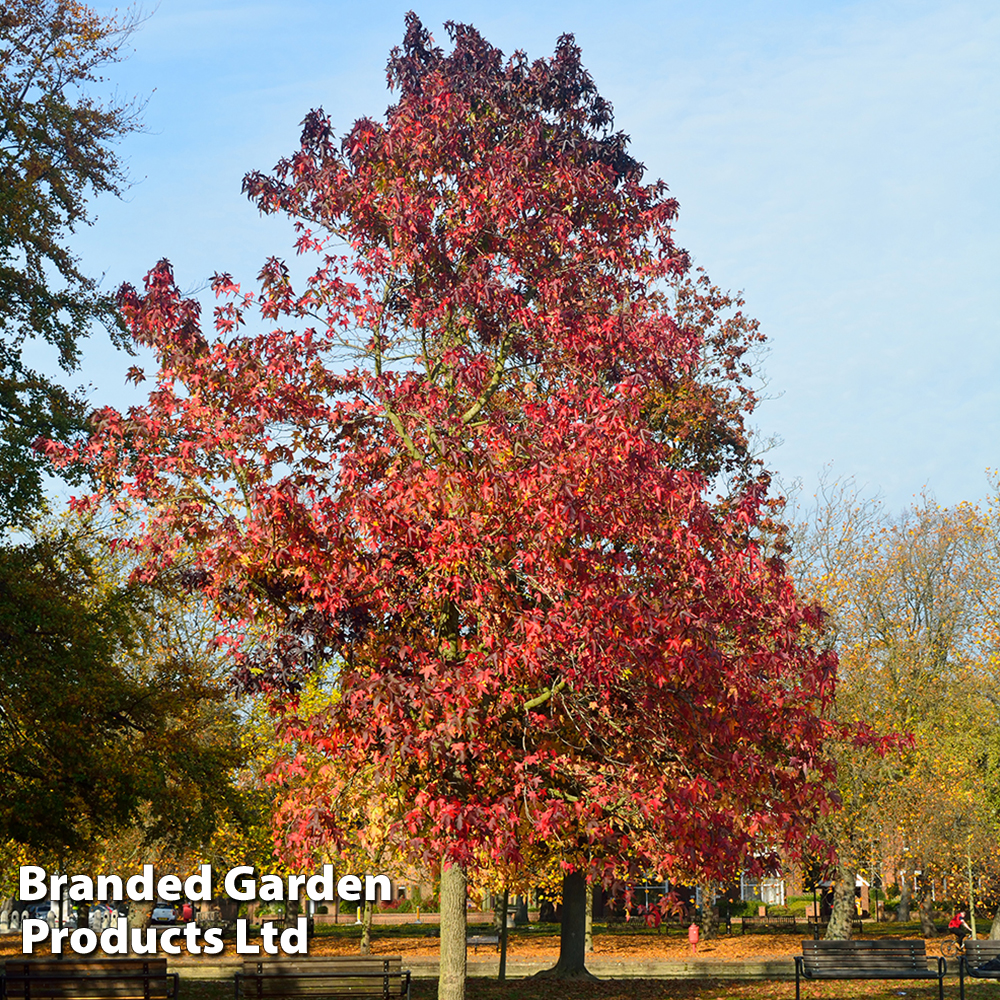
<point x="163" y="913"/>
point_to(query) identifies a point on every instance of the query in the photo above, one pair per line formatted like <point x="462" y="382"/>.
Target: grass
<point x="349" y="930"/>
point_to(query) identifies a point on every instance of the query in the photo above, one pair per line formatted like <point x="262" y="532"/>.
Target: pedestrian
<point x="187" y="912"/>
<point x="693" y="937"/>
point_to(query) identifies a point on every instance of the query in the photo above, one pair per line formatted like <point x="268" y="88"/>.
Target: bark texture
<point x="366" y="927"/>
<point x="502" y="974"/>
<point x="903" y="910"/>
<point x="839" y="927"/>
<point x="927" y="928"/>
<point x="451" y="984"/>
<point x="709" y="912"/>
<point x="139" y="913"/>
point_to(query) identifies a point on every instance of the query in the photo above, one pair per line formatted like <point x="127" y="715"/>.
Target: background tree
<point x="912" y="601"/>
<point x="441" y="473"/>
<point x="56" y="151"/>
<point x="355" y="817"/>
<point x="110" y="712"/>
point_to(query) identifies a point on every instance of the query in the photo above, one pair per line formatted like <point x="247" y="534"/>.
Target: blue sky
<point x="836" y="161"/>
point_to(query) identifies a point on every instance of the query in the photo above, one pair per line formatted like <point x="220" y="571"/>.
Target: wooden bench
<point x="819" y="926"/>
<point x="99" y="979"/>
<point x="482" y="940"/>
<point x="311" y="978"/>
<point x="977" y="953"/>
<point x="888" y="958"/>
<point x="779" y="922"/>
<point x="616" y="921"/>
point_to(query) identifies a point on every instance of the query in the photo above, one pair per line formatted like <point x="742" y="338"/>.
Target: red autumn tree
<point x="469" y="463"/>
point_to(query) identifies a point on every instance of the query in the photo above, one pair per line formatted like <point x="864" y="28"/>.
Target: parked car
<point x="36" y="911"/>
<point x="43" y="910"/>
<point x="163" y="913"/>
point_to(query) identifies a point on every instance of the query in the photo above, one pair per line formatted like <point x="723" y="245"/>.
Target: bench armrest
<point x="942" y="967"/>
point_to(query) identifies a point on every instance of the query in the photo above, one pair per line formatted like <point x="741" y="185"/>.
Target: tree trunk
<point x="709" y="913"/>
<point x="451" y="984"/>
<point x="995" y="928"/>
<point x="588" y="928"/>
<point x="927" y="928"/>
<point x="366" y="927"/>
<point x="903" y="910"/>
<point x="572" y="933"/>
<point x="139" y="913"/>
<point x="500" y="909"/>
<point x="839" y="927"/>
<point x="502" y="975"/>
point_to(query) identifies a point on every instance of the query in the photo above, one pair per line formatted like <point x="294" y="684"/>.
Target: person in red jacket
<point x="959" y="927"/>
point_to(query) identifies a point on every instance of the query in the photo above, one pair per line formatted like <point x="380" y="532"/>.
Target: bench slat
<point x="337" y="976"/>
<point x="115" y="966"/>
<point x="888" y="958"/>
<point x="978" y="953"/>
<point x="81" y="988"/>
<point x="101" y="979"/>
<point x="327" y="968"/>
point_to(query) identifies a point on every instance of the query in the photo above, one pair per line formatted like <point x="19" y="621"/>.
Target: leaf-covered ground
<point x="541" y="943"/>
<point x="656" y="989"/>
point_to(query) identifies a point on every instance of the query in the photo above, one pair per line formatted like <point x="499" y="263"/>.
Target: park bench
<point x="977" y="953"/>
<point x="887" y="958"/>
<point x="99" y="979"/>
<point x="819" y="926"/>
<point x="775" y="921"/>
<point x="311" y="978"/>
<point x="483" y="940"/>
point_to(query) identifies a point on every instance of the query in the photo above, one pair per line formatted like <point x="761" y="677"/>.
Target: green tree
<point x="110" y="712"/>
<point x="56" y="151"/>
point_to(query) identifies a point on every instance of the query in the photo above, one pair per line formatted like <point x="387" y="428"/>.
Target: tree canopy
<point x="109" y="714"/>
<point x="467" y="462"/>
<point x="912" y="603"/>
<point x="56" y="151"/>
